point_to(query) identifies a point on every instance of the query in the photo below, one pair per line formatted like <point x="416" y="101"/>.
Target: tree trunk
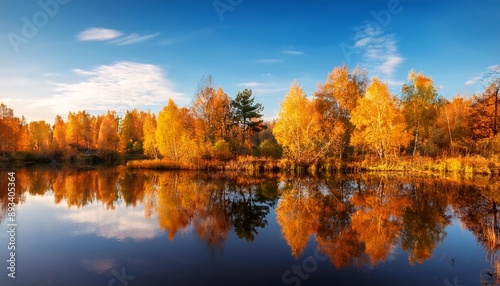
<point x="416" y="142"/>
<point x="495" y="120"/>
<point x="449" y="130"/>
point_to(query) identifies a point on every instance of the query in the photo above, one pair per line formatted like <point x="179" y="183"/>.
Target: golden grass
<point x="456" y="167"/>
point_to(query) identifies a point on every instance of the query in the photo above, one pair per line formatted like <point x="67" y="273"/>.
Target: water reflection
<point x="357" y="220"/>
<point x="360" y="221"/>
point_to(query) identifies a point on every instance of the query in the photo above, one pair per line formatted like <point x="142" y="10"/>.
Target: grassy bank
<point x="242" y="163"/>
<point x="77" y="160"/>
<point x="463" y="166"/>
<point x="458" y="165"/>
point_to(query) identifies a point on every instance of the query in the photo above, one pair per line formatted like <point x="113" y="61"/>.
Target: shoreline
<point x="453" y="166"/>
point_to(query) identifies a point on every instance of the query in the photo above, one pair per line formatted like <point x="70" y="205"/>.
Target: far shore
<point x="456" y="166"/>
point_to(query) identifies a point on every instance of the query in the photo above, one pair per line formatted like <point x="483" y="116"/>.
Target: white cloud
<point x="83" y="72"/>
<point x="362" y="42"/>
<point x="133" y="39"/>
<point x="494" y="68"/>
<point x="390" y="63"/>
<point x="113" y="36"/>
<point x="489" y="74"/>
<point x="473" y="80"/>
<point x="120" y="224"/>
<point x="292" y="52"/>
<point x="119" y="86"/>
<point x="378" y="49"/>
<point x="98" y="34"/>
<point x="250" y="84"/>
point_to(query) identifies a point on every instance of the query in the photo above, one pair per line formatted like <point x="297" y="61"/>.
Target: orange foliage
<point x="380" y="125"/>
<point x="297" y="214"/>
<point x="378" y="220"/>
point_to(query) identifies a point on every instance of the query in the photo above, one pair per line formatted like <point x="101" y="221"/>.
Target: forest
<point x="350" y="120"/>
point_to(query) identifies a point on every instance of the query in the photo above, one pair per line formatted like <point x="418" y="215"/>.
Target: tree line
<point x="348" y="117"/>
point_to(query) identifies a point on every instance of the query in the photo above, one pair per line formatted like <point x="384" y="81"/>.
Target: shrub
<point x="222" y="150"/>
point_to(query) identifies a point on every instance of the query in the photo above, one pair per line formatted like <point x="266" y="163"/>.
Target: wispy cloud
<point x="379" y="50"/>
<point x="98" y="34"/>
<point x="268" y="61"/>
<point x="292" y="52"/>
<point x="473" y="80"/>
<point x="488" y="75"/>
<point x="119" y="86"/>
<point x="133" y="38"/>
<point x="251" y="84"/>
<point x="495" y="68"/>
<point x="113" y="36"/>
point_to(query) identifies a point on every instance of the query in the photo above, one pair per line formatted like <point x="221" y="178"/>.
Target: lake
<point x="120" y="227"/>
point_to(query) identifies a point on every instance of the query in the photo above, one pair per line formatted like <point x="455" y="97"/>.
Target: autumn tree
<point x="173" y="137"/>
<point x="59" y="133"/>
<point x="453" y="121"/>
<point x="212" y="111"/>
<point x="247" y="114"/>
<point x="79" y="129"/>
<point x="149" y="130"/>
<point x="420" y="101"/>
<point x="7" y="138"/>
<point x="485" y="118"/>
<point x="485" y="113"/>
<point x="108" y="140"/>
<point x="40" y="136"/>
<point x="334" y="101"/>
<point x="131" y="131"/>
<point x="169" y="131"/>
<point x="295" y="129"/>
<point x="268" y="146"/>
<point x="380" y="125"/>
<point x="222" y="115"/>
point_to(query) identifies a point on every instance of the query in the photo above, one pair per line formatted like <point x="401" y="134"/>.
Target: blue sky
<point x="66" y="55"/>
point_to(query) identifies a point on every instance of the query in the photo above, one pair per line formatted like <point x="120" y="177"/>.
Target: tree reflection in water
<point x="355" y="220"/>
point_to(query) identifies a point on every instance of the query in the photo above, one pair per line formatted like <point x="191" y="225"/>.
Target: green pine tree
<point x="247" y="114"/>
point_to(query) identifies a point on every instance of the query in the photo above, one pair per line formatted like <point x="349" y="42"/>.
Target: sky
<point x="58" y="56"/>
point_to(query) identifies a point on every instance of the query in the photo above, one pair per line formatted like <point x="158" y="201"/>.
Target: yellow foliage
<point x="108" y="133"/>
<point x="380" y="125"/>
<point x="173" y="138"/>
<point x="297" y="127"/>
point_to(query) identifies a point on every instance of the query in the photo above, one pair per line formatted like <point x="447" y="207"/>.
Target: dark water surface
<point x="120" y="227"/>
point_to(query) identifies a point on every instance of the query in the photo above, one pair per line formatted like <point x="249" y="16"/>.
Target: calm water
<point x="117" y="227"/>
